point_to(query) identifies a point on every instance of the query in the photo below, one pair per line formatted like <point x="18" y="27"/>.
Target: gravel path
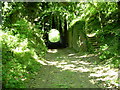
<point x="64" y="68"/>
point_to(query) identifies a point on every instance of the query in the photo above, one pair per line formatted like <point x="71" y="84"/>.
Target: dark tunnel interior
<point x="59" y="23"/>
<point x="56" y="45"/>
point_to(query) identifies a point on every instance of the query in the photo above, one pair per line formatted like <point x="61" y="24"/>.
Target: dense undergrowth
<point x="102" y="19"/>
<point x="108" y="51"/>
<point x="21" y="48"/>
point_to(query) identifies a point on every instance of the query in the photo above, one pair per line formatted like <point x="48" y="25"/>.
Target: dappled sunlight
<point x="92" y="81"/>
<point x="97" y="74"/>
<point x="79" y="63"/>
<point x="66" y="45"/>
<point x="70" y="61"/>
<point x="71" y="54"/>
<point x="105" y="74"/>
<point x="74" y="66"/>
<point x="42" y="62"/>
<point x="62" y="57"/>
<point x="64" y="65"/>
<point x="21" y="46"/>
<point x="35" y="56"/>
<point x="85" y="63"/>
<point x="51" y="63"/>
<point x="63" y="62"/>
<point x="80" y="56"/>
<point x="81" y="69"/>
<point x="20" y="50"/>
<point x="85" y="56"/>
<point x="52" y="51"/>
<point x="91" y="35"/>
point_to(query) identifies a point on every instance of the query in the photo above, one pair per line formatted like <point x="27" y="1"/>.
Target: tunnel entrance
<point x="54" y="25"/>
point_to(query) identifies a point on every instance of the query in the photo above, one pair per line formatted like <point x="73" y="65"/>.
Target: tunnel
<point x="57" y="22"/>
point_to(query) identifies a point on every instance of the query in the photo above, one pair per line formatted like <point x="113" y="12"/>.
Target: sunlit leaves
<point x="18" y="63"/>
<point x="104" y="47"/>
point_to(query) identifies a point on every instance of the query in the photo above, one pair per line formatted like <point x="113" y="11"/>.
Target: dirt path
<point x="66" y="69"/>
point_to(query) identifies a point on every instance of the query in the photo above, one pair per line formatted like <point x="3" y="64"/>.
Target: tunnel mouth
<point x="54" y="36"/>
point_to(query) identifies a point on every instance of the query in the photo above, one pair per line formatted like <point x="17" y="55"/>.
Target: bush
<point x="109" y="53"/>
<point x="20" y="52"/>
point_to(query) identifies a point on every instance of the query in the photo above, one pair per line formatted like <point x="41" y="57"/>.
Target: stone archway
<point x="77" y="36"/>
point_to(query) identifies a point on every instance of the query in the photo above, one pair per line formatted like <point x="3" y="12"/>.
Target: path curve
<point x="63" y="68"/>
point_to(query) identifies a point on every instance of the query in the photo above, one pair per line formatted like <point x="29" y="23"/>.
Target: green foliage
<point x="22" y="44"/>
<point x="109" y="52"/>
<point x="102" y="18"/>
<point x="21" y="38"/>
<point x="105" y="52"/>
<point x="19" y="55"/>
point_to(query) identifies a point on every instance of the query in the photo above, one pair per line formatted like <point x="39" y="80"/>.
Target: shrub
<point x="19" y="54"/>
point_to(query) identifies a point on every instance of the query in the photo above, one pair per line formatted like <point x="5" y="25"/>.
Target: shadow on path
<point x="63" y="68"/>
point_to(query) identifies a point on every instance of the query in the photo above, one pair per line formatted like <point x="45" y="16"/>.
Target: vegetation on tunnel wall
<point x="101" y="28"/>
<point x="25" y="24"/>
<point x="77" y="37"/>
<point x="103" y="21"/>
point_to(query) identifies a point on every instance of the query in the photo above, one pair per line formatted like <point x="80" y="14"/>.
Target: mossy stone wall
<point x="76" y="37"/>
